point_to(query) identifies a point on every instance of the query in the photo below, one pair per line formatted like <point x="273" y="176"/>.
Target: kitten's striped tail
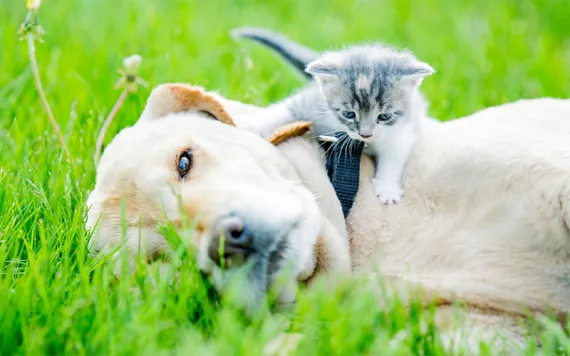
<point x="299" y="56"/>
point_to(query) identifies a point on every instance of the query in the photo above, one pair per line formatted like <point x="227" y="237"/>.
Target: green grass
<point x="54" y="299"/>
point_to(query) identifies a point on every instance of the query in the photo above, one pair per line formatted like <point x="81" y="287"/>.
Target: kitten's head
<point x="368" y="87"/>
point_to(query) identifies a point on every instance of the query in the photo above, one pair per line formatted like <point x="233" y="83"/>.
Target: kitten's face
<point x="368" y="88"/>
<point x="365" y="105"/>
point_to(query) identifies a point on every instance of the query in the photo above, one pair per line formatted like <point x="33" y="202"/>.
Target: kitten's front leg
<point x="390" y="161"/>
<point x="387" y="186"/>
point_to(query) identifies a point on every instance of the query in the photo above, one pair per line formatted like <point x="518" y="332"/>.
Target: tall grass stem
<point x="107" y="123"/>
<point x="43" y="99"/>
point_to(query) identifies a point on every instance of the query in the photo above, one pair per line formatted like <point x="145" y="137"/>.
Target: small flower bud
<point x="33" y="5"/>
<point x="132" y="63"/>
<point x="129" y="75"/>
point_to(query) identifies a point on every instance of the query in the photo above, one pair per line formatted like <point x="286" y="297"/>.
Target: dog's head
<point x="185" y="161"/>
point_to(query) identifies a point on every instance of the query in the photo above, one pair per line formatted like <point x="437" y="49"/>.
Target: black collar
<point x="343" y="167"/>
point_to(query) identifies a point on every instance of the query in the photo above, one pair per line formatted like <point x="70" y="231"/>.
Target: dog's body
<point x="489" y="228"/>
<point x="485" y="219"/>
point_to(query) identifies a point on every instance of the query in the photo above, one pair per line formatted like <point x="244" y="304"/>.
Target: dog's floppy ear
<point x="173" y="98"/>
<point x="286" y="132"/>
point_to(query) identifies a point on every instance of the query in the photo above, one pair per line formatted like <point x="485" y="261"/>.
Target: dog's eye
<point x="184" y="163"/>
<point x="349" y="115"/>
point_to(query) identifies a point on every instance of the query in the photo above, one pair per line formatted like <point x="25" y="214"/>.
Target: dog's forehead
<point x="175" y="131"/>
<point x="144" y="142"/>
<point x="155" y="144"/>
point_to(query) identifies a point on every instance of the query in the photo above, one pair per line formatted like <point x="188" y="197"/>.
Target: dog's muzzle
<point x="232" y="243"/>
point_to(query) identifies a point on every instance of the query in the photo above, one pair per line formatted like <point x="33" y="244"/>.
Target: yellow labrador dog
<point x="485" y="220"/>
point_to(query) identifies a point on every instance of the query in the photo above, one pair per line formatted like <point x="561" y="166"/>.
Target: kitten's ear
<point x="319" y="68"/>
<point x="416" y="71"/>
<point x="413" y="75"/>
<point x="322" y="70"/>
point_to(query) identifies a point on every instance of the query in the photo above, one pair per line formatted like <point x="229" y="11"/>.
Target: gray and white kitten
<point x="368" y="91"/>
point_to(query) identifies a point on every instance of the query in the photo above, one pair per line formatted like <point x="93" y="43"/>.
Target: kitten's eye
<point x="349" y="115"/>
<point x="184" y="163"/>
<point x="384" y="117"/>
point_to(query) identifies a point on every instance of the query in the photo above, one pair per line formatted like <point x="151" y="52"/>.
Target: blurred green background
<point x="485" y="53"/>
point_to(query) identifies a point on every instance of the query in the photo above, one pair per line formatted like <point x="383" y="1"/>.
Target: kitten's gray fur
<point x="369" y="80"/>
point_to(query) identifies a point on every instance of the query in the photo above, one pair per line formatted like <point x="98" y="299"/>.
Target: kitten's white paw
<point x="387" y="193"/>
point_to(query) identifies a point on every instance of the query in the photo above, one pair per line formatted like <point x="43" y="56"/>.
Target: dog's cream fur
<point x="485" y="220"/>
<point x="234" y="172"/>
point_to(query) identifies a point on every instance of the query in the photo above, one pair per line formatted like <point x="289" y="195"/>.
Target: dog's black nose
<point x="237" y="242"/>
